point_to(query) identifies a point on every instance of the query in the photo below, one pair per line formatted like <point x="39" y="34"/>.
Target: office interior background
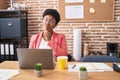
<point x="95" y="34"/>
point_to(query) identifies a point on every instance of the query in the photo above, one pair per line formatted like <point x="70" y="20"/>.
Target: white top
<point x="44" y="45"/>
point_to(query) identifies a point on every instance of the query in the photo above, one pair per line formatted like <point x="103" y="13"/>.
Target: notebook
<point x="27" y="58"/>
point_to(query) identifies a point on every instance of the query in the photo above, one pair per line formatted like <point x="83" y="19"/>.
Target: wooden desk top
<point x="56" y="74"/>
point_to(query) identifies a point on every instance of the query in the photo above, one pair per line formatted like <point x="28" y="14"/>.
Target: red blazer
<point x="57" y="43"/>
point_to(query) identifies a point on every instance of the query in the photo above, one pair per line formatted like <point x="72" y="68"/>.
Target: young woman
<point x="49" y="39"/>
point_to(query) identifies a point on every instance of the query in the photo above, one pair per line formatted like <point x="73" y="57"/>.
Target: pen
<point x="73" y="66"/>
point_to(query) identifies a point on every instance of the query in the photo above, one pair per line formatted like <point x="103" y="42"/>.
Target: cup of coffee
<point x="62" y="62"/>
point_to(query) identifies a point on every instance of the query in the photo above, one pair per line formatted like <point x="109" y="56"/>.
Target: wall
<point x="96" y="34"/>
<point x="3" y="4"/>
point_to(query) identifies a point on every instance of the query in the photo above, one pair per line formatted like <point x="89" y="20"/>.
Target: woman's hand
<point x="47" y="35"/>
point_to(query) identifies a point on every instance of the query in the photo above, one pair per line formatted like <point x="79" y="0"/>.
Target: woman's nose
<point x="47" y="22"/>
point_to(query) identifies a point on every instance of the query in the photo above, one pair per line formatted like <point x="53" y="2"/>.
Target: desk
<point x="56" y="74"/>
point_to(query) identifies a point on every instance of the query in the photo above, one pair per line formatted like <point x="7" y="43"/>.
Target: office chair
<point x="101" y="58"/>
<point x="7" y="51"/>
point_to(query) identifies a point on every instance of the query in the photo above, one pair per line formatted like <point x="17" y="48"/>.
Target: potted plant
<point x="83" y="74"/>
<point x="38" y="69"/>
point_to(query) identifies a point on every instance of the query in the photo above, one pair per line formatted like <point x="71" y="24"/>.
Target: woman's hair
<point x="53" y="13"/>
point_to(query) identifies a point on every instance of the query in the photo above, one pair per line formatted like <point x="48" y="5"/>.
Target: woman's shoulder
<point x="59" y="34"/>
<point x="56" y="33"/>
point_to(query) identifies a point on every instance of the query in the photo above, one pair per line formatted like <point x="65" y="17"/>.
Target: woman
<point x="48" y="38"/>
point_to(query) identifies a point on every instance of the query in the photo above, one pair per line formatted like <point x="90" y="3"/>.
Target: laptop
<point x="27" y="58"/>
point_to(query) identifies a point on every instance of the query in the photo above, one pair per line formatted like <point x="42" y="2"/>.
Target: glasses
<point x="51" y="21"/>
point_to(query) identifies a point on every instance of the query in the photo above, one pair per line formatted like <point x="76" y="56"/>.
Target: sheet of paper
<point x="91" y="67"/>
<point x="102" y="66"/>
<point x="92" y="10"/>
<point x="6" y="74"/>
<point x="74" y="12"/>
<point x="103" y="1"/>
<point x="92" y="1"/>
<point x="72" y="1"/>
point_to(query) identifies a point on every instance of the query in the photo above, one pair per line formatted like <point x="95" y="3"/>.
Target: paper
<point x="102" y="66"/>
<point x="91" y="67"/>
<point x="103" y="1"/>
<point x="77" y="44"/>
<point x="92" y="1"/>
<point x="74" y="12"/>
<point x="72" y="1"/>
<point x="92" y="10"/>
<point x="6" y="74"/>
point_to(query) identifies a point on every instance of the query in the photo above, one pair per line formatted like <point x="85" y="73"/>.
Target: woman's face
<point x="49" y="23"/>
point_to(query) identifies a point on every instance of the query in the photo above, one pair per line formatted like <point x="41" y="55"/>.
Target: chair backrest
<point x="101" y="58"/>
<point x="7" y="51"/>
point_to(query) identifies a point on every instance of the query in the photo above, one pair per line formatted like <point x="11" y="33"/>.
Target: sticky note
<point x="92" y="1"/>
<point x="92" y="10"/>
<point x="103" y="1"/>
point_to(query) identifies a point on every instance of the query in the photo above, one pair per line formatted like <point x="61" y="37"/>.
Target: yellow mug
<point x="62" y="62"/>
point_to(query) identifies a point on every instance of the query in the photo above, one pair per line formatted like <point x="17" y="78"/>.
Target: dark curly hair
<point x="53" y="13"/>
